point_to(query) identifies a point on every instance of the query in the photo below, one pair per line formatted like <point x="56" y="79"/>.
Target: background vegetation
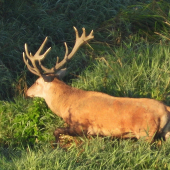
<point x="130" y="56"/>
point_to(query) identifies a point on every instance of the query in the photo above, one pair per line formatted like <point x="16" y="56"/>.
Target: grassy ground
<point x="97" y="153"/>
<point x="123" y="61"/>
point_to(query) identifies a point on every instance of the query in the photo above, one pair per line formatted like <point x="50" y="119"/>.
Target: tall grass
<point x="143" y="19"/>
<point x="133" y="70"/>
<point x="97" y="153"/>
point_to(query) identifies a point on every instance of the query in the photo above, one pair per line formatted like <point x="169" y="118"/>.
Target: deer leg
<point x="67" y="131"/>
<point x="59" y="131"/>
<point x="166" y="131"/>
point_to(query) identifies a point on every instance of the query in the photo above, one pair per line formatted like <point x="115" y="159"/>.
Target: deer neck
<point x="59" y="97"/>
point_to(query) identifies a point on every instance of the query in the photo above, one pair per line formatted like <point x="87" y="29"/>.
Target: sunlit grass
<point x="130" y="70"/>
<point x="96" y="153"/>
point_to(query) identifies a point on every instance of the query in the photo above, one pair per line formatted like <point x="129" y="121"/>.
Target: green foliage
<point x="26" y="124"/>
<point x="143" y="19"/>
<point x="6" y="80"/>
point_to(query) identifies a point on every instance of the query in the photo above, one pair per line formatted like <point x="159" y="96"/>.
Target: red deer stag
<point x="95" y="113"/>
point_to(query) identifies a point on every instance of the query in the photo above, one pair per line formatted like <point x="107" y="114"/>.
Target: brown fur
<point x="95" y="113"/>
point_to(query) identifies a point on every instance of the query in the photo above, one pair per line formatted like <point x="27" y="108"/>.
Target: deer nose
<point x="27" y="95"/>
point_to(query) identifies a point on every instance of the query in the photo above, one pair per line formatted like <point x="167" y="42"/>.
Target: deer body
<point x="95" y="113"/>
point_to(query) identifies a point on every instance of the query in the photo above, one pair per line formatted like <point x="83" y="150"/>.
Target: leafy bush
<point x="26" y="124"/>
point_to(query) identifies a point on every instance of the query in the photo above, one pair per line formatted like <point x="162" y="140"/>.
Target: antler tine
<point x="29" y="67"/>
<point x="36" y="57"/>
<point x="33" y="69"/>
<point x="59" y="65"/>
<point x="79" y="41"/>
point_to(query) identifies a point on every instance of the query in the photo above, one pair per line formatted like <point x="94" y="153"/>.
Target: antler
<point x="37" y="57"/>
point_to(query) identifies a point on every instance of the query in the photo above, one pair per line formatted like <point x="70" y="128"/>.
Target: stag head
<point x="48" y="75"/>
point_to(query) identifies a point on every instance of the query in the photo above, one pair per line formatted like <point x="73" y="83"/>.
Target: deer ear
<point x="48" y="78"/>
<point x="61" y="73"/>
